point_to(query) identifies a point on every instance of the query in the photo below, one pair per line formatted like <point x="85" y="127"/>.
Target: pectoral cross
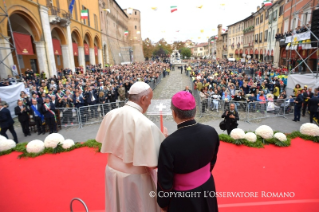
<point x="160" y="108"/>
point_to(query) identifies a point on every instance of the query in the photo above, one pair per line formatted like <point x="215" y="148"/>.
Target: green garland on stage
<point x="305" y="137"/>
<point x="21" y="147"/>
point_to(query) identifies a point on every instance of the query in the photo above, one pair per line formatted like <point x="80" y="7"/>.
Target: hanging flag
<point x="108" y="10"/>
<point x="224" y="30"/>
<point x="212" y="41"/>
<point x="130" y="11"/>
<point x="154" y="8"/>
<point x="267" y="3"/>
<point x="71" y="6"/>
<point x="200" y="7"/>
<point x="222" y="4"/>
<point x="177" y="31"/>
<point x="126" y="32"/>
<point x="138" y="32"/>
<point x="201" y="30"/>
<point x="173" y="8"/>
<point x="84" y="14"/>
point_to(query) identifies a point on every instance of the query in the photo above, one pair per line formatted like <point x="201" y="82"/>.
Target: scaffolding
<point x="289" y="59"/>
<point x="9" y="50"/>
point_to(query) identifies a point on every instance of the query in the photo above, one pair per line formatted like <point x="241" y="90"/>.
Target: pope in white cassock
<point x="132" y="142"/>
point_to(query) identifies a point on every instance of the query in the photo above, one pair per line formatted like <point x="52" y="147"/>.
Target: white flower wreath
<point x="35" y="146"/>
<point x="280" y="136"/>
<point x="53" y="139"/>
<point x="67" y="143"/>
<point x="265" y="132"/>
<point x="6" y="144"/>
<point x="237" y="134"/>
<point x="250" y="136"/>
<point x="309" y="129"/>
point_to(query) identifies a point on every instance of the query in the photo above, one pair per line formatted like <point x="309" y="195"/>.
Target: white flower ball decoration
<point x="6" y="144"/>
<point x="2" y="138"/>
<point x="265" y="132"/>
<point x="237" y="134"/>
<point x="309" y="129"/>
<point x="35" y="146"/>
<point x="251" y="137"/>
<point x="67" y="143"/>
<point x="53" y="139"/>
<point x="280" y="136"/>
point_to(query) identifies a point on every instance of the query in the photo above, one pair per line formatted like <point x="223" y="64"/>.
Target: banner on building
<point x="95" y="50"/>
<point x="86" y="49"/>
<point x="75" y="49"/>
<point x="23" y="44"/>
<point x="298" y="37"/>
<point x="56" y="47"/>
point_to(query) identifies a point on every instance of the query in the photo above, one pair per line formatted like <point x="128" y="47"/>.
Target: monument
<point x="176" y="60"/>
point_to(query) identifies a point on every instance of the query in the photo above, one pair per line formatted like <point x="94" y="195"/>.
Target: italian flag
<point x="84" y="14"/>
<point x="173" y="8"/>
<point x="126" y="32"/>
<point x="267" y="3"/>
<point x="212" y="41"/>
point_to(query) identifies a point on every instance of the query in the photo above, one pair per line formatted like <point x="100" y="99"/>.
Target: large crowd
<point x="43" y="96"/>
<point x="248" y="84"/>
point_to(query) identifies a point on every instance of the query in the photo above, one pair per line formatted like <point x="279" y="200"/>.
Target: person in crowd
<point x="22" y="111"/>
<point x="6" y="122"/>
<point x="121" y="92"/>
<point x="188" y="169"/>
<point x="187" y="89"/>
<point x="298" y="104"/>
<point x="133" y="166"/>
<point x="36" y="112"/>
<point x="49" y="115"/>
<point x="231" y="117"/>
<point x="313" y="104"/>
<point x="307" y="94"/>
<point x="203" y="98"/>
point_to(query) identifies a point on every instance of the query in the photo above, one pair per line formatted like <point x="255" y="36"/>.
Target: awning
<point x="236" y="52"/>
<point x="56" y="47"/>
<point x="95" y="50"/>
<point x="86" y="49"/>
<point x="251" y="51"/>
<point x="256" y="51"/>
<point x="75" y="49"/>
<point x="23" y="44"/>
<point x="241" y="51"/>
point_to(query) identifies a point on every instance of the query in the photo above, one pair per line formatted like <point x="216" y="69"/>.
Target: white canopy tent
<point x="303" y="79"/>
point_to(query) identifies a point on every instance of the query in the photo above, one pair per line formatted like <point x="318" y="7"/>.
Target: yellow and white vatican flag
<point x="154" y="8"/>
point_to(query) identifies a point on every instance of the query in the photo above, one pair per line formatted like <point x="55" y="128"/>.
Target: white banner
<point x="302" y="79"/>
<point x="300" y="37"/>
<point x="11" y="94"/>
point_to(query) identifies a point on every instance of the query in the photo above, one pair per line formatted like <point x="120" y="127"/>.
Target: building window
<point x="267" y="14"/>
<point x="95" y="22"/>
<point x="135" y="27"/>
<point x="275" y="15"/>
<point x="266" y="33"/>
<point x="281" y="9"/>
<point x="261" y="18"/>
<point x="135" y="13"/>
<point x="257" y="21"/>
<point x="256" y="38"/>
<point x="304" y="20"/>
<point x="261" y="37"/>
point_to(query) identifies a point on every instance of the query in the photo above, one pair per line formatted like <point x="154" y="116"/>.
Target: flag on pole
<point x="173" y="8"/>
<point x="267" y="3"/>
<point x="71" y="6"/>
<point x="84" y="14"/>
<point x="201" y="30"/>
<point x="200" y="7"/>
<point x="126" y="32"/>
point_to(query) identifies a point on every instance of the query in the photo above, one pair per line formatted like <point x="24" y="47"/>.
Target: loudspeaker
<point x="315" y="27"/>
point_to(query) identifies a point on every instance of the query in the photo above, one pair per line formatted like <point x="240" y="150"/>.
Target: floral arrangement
<point x="251" y="137"/>
<point x="68" y="143"/>
<point x="237" y="134"/>
<point x="309" y="129"/>
<point x="35" y="146"/>
<point x="6" y="144"/>
<point x="53" y="140"/>
<point x="265" y="132"/>
<point x="280" y="136"/>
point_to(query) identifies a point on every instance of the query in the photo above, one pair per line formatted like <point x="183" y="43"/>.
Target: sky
<point x="188" y="19"/>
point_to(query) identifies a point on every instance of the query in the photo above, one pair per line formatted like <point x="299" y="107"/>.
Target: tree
<point x="162" y="49"/>
<point x="148" y="48"/>
<point x="186" y="52"/>
<point x="178" y="45"/>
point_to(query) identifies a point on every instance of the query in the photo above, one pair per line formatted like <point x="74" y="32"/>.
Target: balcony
<point x="249" y="29"/>
<point x="59" y="16"/>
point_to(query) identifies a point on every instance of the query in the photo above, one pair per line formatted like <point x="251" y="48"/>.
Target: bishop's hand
<point x="165" y="132"/>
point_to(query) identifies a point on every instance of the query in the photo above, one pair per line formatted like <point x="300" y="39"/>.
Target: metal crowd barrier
<point x="91" y="114"/>
<point x="247" y="111"/>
